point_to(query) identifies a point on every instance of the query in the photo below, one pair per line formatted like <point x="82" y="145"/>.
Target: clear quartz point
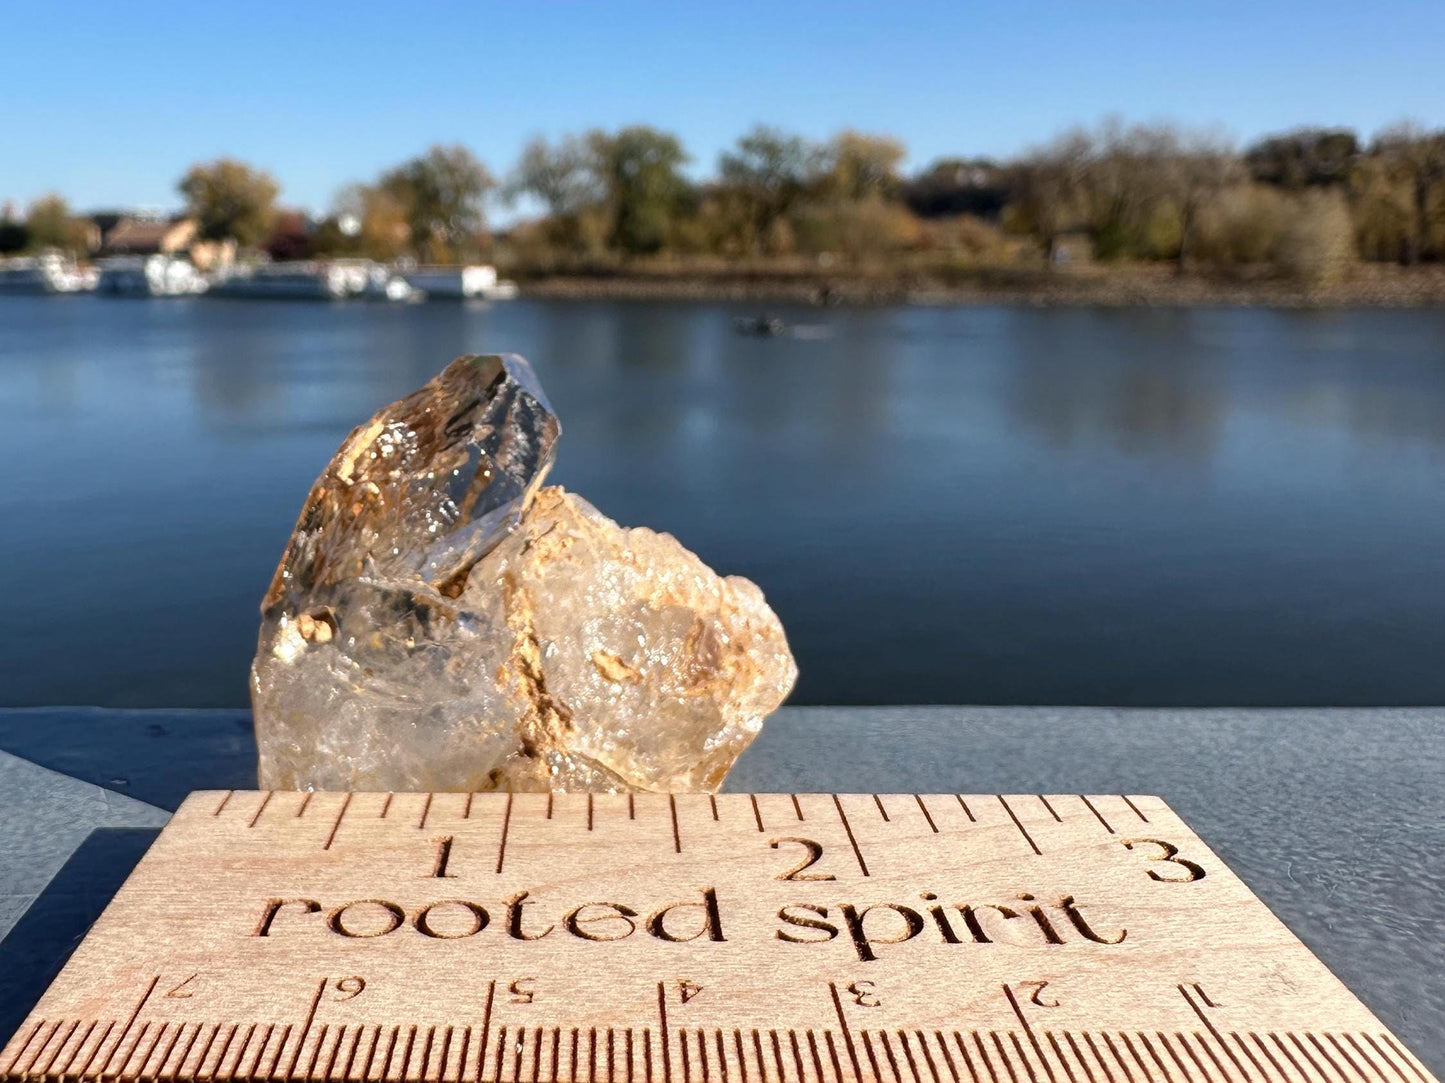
<point x="439" y="622"/>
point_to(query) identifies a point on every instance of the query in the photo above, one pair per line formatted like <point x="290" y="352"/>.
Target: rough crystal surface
<point x="440" y="623"/>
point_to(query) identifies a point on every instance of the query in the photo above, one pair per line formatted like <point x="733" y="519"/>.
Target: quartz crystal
<point x="439" y="622"/>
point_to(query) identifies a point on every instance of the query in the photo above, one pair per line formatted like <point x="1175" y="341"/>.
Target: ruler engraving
<point x="653" y="938"/>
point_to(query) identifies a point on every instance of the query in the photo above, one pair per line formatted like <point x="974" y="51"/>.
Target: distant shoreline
<point x="1369" y="286"/>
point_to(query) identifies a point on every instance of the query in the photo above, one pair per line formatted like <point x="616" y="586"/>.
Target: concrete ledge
<point x="1335" y="818"/>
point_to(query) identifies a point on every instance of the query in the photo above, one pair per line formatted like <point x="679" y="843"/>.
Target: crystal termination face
<point x="440" y="622"/>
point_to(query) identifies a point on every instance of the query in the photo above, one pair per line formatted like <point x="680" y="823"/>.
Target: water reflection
<point x="945" y="504"/>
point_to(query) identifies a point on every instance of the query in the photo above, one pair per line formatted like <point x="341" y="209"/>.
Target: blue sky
<point x="108" y="102"/>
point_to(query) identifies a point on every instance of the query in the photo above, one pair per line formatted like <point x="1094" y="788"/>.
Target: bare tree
<point x="1049" y="186"/>
<point x="1417" y="158"/>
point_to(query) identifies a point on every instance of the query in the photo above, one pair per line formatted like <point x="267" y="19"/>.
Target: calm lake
<point x="961" y="505"/>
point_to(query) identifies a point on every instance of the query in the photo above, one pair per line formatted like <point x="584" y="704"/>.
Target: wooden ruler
<point x="775" y="938"/>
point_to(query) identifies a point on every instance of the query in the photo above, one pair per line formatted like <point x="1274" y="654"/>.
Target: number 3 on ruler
<point x="1170" y="854"/>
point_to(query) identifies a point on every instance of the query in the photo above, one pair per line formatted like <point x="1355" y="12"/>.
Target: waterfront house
<point x="145" y="235"/>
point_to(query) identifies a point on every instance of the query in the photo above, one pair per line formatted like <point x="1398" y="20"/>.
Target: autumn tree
<point x="49" y="224"/>
<point x="856" y="165"/>
<point x="640" y="173"/>
<point x="765" y="175"/>
<point x="559" y="176"/>
<point x="376" y="222"/>
<point x="443" y="194"/>
<point x="563" y="178"/>
<point x="230" y="200"/>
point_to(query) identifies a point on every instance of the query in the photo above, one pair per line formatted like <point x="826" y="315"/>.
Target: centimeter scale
<point x="771" y="938"/>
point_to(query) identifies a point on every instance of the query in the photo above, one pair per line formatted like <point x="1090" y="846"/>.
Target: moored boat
<point x="302" y="280"/>
<point x="150" y="276"/>
<point x="50" y="272"/>
<point x="460" y="283"/>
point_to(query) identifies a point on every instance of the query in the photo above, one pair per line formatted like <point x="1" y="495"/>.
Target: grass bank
<point x="1366" y="285"/>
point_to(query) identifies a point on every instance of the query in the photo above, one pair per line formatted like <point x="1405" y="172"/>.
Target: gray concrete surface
<point x="1336" y="818"/>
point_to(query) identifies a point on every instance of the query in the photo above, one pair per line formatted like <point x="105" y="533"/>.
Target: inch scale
<point x="769" y="938"/>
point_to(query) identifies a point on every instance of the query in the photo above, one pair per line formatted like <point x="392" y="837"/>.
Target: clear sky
<point x="107" y="102"/>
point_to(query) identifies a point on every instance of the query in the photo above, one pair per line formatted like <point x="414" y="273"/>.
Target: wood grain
<point x="767" y="938"/>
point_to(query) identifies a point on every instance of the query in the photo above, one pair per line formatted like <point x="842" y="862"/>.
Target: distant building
<point x="138" y="235"/>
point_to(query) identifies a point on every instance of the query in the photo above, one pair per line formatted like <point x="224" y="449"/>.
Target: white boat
<point x="302" y="280"/>
<point x="460" y="283"/>
<point x="313" y="280"/>
<point x="150" y="276"/>
<point x="370" y="280"/>
<point x="49" y="272"/>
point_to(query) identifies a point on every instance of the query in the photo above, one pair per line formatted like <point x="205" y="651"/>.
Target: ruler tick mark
<point x="712" y="800"/>
<point x="305" y="801"/>
<point x="1386" y="1058"/>
<point x="1079" y="1053"/>
<point x="1137" y="1059"/>
<point x="1362" y="1055"/>
<point x="467" y="808"/>
<point x="1019" y="824"/>
<point x="1062" y="1059"/>
<point x="506" y="823"/>
<point x="966" y="810"/>
<point x="947" y="1056"/>
<point x="306" y="1027"/>
<point x="926" y="814"/>
<point x="1045" y="802"/>
<point x="486" y="1029"/>
<point x="1344" y="1054"/>
<point x="1119" y="1060"/>
<point x="10" y="1070"/>
<point x="120" y="1039"/>
<point x="1107" y="826"/>
<point x="843" y="1021"/>
<point x="676" y="837"/>
<point x="266" y="800"/>
<point x="1163" y="1040"/>
<point x="797" y="808"/>
<point x="1209" y="1026"/>
<point x="1137" y="810"/>
<point x="1029" y="1031"/>
<point x="385" y="806"/>
<point x="1155" y="1057"/>
<point x="832" y="1057"/>
<point x="927" y="1056"/>
<point x="224" y="802"/>
<point x="1409" y="1060"/>
<point x="589" y="811"/>
<point x="1313" y="1063"/>
<point x="425" y="812"/>
<point x="757" y="812"/>
<point x="1326" y="1054"/>
<point x="1024" y="1057"/>
<point x="663" y="1034"/>
<point x="847" y="827"/>
<point x="340" y="813"/>
<point x="1243" y="1048"/>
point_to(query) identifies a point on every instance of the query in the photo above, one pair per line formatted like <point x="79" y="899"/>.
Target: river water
<point x="951" y="504"/>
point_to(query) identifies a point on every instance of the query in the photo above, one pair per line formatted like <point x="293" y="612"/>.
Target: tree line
<point x="1304" y="203"/>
